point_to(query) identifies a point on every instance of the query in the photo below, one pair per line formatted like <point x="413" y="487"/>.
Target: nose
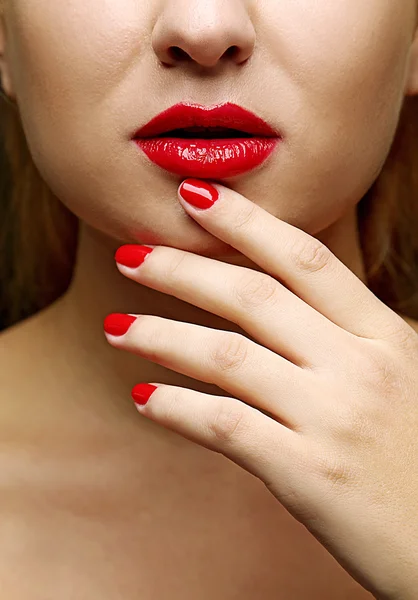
<point x="203" y="32"/>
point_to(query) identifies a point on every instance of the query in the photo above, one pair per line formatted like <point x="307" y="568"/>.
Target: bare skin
<point x="98" y="502"/>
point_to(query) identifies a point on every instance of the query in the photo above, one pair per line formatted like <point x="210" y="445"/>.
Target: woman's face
<point x="330" y="76"/>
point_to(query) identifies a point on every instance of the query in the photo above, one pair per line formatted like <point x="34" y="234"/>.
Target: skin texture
<point x="333" y="377"/>
<point x="330" y="76"/>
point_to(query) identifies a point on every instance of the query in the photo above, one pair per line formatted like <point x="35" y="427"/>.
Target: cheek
<point x="71" y="59"/>
<point x="345" y="66"/>
<point x="67" y="45"/>
<point x="71" y="98"/>
<point x="346" y="47"/>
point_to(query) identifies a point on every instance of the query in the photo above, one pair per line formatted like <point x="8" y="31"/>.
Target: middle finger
<point x="269" y="312"/>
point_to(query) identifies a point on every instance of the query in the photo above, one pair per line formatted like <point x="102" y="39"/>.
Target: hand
<point x="324" y="408"/>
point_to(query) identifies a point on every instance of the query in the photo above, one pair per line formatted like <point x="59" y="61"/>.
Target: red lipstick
<point x="192" y="140"/>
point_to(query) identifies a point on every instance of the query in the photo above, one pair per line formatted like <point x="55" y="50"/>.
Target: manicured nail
<point x="198" y="193"/>
<point x="142" y="392"/>
<point x="118" y="323"/>
<point x="132" y="255"/>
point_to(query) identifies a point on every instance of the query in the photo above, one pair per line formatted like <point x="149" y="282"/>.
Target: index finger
<point x="301" y="262"/>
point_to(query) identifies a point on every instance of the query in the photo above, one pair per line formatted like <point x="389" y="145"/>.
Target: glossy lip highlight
<point x="202" y="157"/>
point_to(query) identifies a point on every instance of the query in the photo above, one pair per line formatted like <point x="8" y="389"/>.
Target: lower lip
<point x="211" y="158"/>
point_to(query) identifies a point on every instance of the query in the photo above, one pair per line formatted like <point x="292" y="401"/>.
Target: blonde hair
<point x="38" y="235"/>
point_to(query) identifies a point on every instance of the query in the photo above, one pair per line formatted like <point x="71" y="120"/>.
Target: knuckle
<point x="255" y="289"/>
<point x="358" y="425"/>
<point x="245" y="218"/>
<point x="230" y="352"/>
<point x="380" y="371"/>
<point x="336" y="471"/>
<point x="401" y="334"/>
<point x="310" y="255"/>
<point x="174" y="265"/>
<point x="228" y="422"/>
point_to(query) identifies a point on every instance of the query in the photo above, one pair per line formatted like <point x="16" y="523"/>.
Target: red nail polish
<point x="132" y="255"/>
<point x="198" y="193"/>
<point x="118" y="323"/>
<point x="142" y="392"/>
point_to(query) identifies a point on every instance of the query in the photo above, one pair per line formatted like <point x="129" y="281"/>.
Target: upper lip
<point x="228" y="115"/>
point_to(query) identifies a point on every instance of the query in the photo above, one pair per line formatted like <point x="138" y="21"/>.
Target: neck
<point x="98" y="289"/>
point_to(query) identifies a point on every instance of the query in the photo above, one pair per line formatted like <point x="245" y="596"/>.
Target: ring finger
<point x="229" y="360"/>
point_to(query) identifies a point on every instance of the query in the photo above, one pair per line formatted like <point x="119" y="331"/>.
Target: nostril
<point x="232" y="50"/>
<point x="177" y="53"/>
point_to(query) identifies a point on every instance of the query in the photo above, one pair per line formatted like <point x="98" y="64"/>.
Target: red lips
<point x="205" y="154"/>
<point x="226" y="115"/>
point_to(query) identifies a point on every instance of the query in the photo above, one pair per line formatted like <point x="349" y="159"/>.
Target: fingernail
<point x="141" y="393"/>
<point x="132" y="255"/>
<point x="118" y="324"/>
<point x="198" y="193"/>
